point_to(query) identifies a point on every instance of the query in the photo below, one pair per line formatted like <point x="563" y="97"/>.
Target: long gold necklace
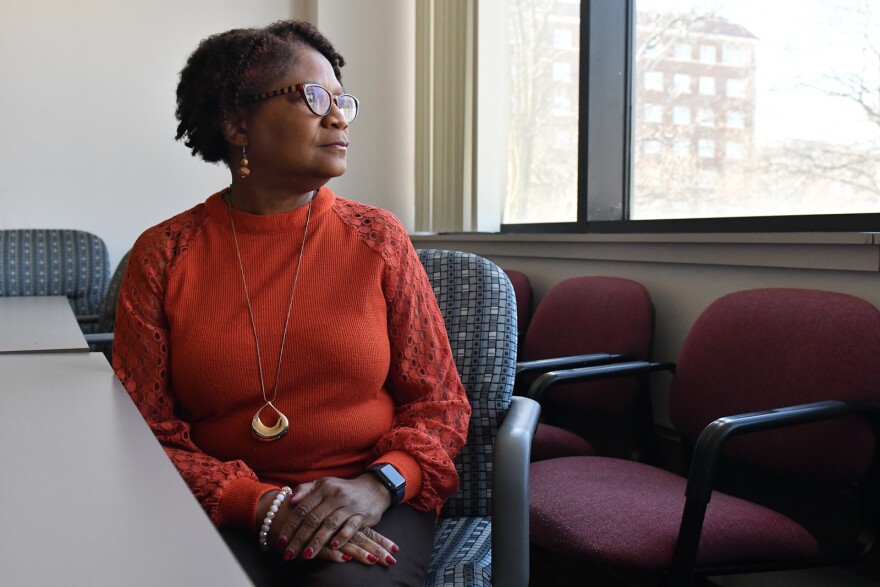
<point x="260" y="430"/>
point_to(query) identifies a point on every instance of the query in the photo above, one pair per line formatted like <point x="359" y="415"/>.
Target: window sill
<point x="814" y="250"/>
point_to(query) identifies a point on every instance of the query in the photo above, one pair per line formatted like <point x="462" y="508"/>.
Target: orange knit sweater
<point x="367" y="373"/>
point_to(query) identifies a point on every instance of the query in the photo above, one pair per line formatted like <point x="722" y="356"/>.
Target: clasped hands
<point x="331" y="519"/>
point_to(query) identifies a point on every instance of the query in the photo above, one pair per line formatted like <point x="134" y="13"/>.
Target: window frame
<point x="605" y="146"/>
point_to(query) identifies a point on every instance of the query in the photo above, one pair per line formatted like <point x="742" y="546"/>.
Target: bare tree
<point x="855" y="165"/>
<point x="533" y="174"/>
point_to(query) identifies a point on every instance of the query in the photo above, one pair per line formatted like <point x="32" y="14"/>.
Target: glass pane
<point x="544" y="52"/>
<point x="765" y="112"/>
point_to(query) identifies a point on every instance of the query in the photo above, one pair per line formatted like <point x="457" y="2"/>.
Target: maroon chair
<point x="587" y="320"/>
<point x="775" y="395"/>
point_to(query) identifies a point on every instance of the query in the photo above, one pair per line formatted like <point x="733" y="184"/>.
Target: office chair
<point x="102" y="339"/>
<point x="581" y="321"/>
<point x="775" y="397"/>
<point x="482" y="533"/>
<point x="55" y="262"/>
<point x="522" y="289"/>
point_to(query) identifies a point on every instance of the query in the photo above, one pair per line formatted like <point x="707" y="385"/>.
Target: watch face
<point x="392" y="475"/>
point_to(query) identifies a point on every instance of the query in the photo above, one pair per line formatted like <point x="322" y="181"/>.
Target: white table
<point x="37" y="324"/>
<point x="87" y="495"/>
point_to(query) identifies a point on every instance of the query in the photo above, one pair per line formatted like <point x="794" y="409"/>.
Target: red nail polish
<point x="390" y="560"/>
<point x="394" y="548"/>
<point x="346" y="557"/>
<point x="288" y="554"/>
<point x="334" y="545"/>
<point x="307" y="553"/>
<point x="372" y="558"/>
<point x="282" y="542"/>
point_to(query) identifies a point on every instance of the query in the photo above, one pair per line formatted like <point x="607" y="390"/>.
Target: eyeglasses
<point x="318" y="99"/>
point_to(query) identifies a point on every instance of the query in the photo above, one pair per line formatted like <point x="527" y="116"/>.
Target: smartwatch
<point x="391" y="479"/>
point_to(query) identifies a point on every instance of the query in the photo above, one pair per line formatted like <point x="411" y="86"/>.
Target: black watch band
<point x="391" y="479"/>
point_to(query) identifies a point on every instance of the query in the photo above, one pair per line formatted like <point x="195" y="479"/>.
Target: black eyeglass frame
<point x="301" y="88"/>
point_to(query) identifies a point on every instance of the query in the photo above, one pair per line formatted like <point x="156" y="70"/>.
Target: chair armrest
<point x="87" y="318"/>
<point x="707" y="451"/>
<point x="557" y="363"/>
<point x="707" y="454"/>
<point x="98" y="338"/>
<point x="545" y="381"/>
<point x="510" y="493"/>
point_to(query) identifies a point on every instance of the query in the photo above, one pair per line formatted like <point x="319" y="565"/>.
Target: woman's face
<point x="287" y="142"/>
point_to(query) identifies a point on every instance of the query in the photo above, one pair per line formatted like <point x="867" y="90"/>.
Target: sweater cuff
<point x="238" y="503"/>
<point x="406" y="466"/>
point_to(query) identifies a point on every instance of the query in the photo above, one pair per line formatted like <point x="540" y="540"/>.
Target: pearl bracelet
<point x="270" y="515"/>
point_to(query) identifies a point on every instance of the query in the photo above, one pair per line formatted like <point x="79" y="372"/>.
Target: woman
<point x="284" y="343"/>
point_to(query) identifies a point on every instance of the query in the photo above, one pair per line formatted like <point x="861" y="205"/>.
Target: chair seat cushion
<point x="627" y="514"/>
<point x="552" y="442"/>
<point x="462" y="555"/>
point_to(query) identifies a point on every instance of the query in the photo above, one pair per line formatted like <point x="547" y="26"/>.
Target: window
<point x="707" y="85"/>
<point x="707" y="54"/>
<point x="681" y="115"/>
<point x="706" y="148"/>
<point x="683" y="52"/>
<point x="562" y="38"/>
<point x="653" y="113"/>
<point x="767" y="103"/>
<point x="654" y="81"/>
<point x="736" y="55"/>
<point x="681" y="83"/>
<point x="790" y="112"/>
<point x="736" y="120"/>
<point x="530" y="96"/>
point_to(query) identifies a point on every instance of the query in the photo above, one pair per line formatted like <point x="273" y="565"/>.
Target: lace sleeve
<point x="432" y="408"/>
<point x="140" y="360"/>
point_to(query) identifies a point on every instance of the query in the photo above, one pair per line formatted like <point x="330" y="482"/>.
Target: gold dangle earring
<point x="244" y="170"/>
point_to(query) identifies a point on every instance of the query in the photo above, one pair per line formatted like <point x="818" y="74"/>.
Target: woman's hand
<point x="366" y="546"/>
<point x="331" y="517"/>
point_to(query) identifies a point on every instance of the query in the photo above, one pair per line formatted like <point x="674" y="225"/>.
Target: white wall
<point x="87" y="107"/>
<point x="377" y="39"/>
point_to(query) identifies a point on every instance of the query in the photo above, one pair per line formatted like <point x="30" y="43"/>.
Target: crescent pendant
<point x="265" y="433"/>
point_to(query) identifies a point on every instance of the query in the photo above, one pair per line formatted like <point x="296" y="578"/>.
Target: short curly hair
<point x="228" y="69"/>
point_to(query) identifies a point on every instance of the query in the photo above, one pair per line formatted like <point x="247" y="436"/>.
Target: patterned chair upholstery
<point x="102" y="339"/>
<point x="482" y="536"/>
<point x="107" y="315"/>
<point x="53" y="262"/>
